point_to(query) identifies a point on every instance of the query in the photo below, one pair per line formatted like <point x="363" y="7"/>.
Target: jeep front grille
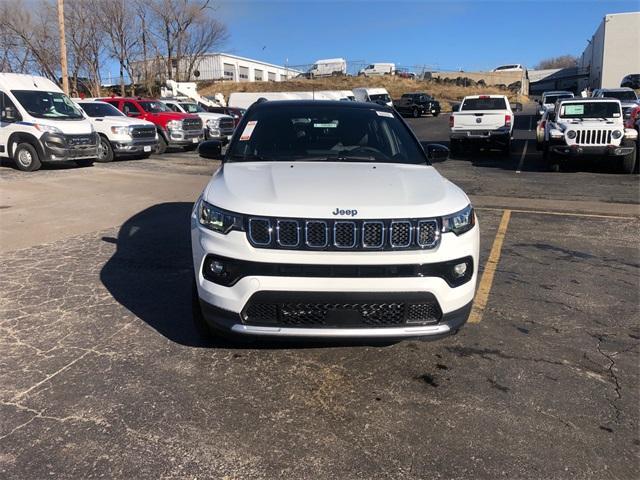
<point x="593" y="137"/>
<point x="340" y="235"/>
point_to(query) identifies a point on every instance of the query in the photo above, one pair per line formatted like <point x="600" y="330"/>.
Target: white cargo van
<point x="328" y="67"/>
<point x="378" y="69"/>
<point x="39" y="123"/>
<point x="373" y="95"/>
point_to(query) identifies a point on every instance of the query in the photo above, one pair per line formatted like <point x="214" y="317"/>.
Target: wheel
<point x="552" y="159"/>
<point x="162" y="145"/>
<point x="26" y="158"/>
<point x="454" y="147"/>
<point x="415" y="113"/>
<point x="629" y="163"/>
<point x="205" y="331"/>
<point x="86" y="162"/>
<point x="506" y="149"/>
<point x="105" y="151"/>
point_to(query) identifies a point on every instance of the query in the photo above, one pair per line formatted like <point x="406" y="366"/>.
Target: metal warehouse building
<point x="613" y="51"/>
<point x="223" y="66"/>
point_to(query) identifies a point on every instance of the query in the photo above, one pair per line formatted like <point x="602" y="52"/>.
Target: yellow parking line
<point x="562" y="214"/>
<point x="484" y="288"/>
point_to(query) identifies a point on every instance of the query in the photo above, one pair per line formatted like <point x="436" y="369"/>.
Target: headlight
<point x="213" y="122"/>
<point x="217" y="219"/>
<point x="174" y="124"/>
<point x="459" y="222"/>
<point x="571" y="134"/>
<point x="616" y="134"/>
<point x="47" y="128"/>
<point x="120" y="130"/>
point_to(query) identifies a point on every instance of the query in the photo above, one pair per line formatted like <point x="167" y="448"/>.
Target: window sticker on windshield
<point x="325" y="125"/>
<point x="574" y="109"/>
<point x="384" y="114"/>
<point x="248" y="130"/>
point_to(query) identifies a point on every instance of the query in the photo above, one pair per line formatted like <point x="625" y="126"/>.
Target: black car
<point x="417" y="104"/>
<point x="631" y="81"/>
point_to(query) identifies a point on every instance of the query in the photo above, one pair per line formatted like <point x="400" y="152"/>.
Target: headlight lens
<point x="47" y="128"/>
<point x="120" y="130"/>
<point x="174" y="124"/>
<point x="213" y="122"/>
<point x="616" y="134"/>
<point x="459" y="222"/>
<point x="571" y="134"/>
<point x="217" y="219"/>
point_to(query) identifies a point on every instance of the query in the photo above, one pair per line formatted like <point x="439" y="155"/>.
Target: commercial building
<point x="613" y="52"/>
<point x="219" y="66"/>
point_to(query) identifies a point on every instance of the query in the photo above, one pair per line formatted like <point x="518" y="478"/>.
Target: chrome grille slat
<point x="341" y="235"/>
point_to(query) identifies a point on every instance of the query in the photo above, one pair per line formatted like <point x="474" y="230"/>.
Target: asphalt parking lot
<point x="103" y="375"/>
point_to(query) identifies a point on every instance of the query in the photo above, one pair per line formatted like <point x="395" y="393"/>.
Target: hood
<point x="593" y="123"/>
<point x="171" y="115"/>
<point x="68" y="127"/>
<point x="122" y="121"/>
<point x="210" y="115"/>
<point x="316" y="189"/>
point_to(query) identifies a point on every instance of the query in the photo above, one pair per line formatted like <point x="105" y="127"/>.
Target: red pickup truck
<point x="174" y="129"/>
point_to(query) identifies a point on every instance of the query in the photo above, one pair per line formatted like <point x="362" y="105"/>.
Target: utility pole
<point x="63" y="48"/>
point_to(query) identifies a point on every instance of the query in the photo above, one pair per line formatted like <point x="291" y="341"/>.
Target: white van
<point x="328" y="67"/>
<point x="39" y="123"/>
<point x="373" y="95"/>
<point x="378" y="69"/>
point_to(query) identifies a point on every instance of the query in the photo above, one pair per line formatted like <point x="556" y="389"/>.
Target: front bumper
<point x="60" y="147"/>
<point x="185" y="137"/>
<point x="134" y="146"/>
<point x="591" y="151"/>
<point x="223" y="306"/>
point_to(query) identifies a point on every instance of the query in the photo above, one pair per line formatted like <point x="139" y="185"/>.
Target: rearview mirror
<point x="437" y="152"/>
<point x="211" y="149"/>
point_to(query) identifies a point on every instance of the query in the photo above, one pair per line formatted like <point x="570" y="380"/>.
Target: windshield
<point x="552" y="99"/>
<point x="100" y="109"/>
<point x="154" y="107"/>
<point x="325" y="133"/>
<point x="484" y="104"/>
<point x="590" y="110"/>
<point x="48" y="105"/>
<point x="381" y="97"/>
<point x="192" y="108"/>
<point x="621" y="95"/>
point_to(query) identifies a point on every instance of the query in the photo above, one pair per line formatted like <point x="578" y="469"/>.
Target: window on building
<point x="272" y="77"/>
<point x="258" y="75"/>
<point x="243" y="73"/>
<point x="229" y="71"/>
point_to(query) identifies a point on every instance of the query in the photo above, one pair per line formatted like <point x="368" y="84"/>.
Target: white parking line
<point x="524" y="153"/>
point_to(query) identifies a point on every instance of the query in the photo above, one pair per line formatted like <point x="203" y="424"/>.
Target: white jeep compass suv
<point x="325" y="220"/>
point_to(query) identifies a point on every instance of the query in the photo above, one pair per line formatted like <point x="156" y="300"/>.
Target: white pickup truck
<point x="482" y="120"/>
<point x="589" y="127"/>
<point x="119" y="134"/>
<point x="218" y="126"/>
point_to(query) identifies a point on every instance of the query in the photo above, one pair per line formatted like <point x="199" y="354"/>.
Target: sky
<point x="446" y="35"/>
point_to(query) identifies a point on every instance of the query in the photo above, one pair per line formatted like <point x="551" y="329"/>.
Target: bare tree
<point x="563" y="61"/>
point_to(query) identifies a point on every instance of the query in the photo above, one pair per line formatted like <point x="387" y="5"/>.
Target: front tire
<point x="629" y="163"/>
<point x="86" y="162"/>
<point x="26" y="158"/>
<point x="415" y="112"/>
<point x="454" y="148"/>
<point x="105" y="151"/>
<point x="162" y="145"/>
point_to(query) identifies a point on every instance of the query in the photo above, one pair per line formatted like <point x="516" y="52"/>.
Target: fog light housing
<point x="460" y="269"/>
<point x="217" y="267"/>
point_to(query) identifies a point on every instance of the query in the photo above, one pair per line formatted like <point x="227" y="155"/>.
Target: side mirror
<point x="437" y="152"/>
<point x="9" y="114"/>
<point x="516" y="107"/>
<point x="211" y="149"/>
<point x="133" y="113"/>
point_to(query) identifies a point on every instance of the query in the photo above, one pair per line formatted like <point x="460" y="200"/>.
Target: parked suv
<point x="417" y="104"/>
<point x="39" y="123"/>
<point x="119" y="134"/>
<point x="627" y="96"/>
<point x="217" y="126"/>
<point x="328" y="220"/>
<point x="175" y="129"/>
<point x="589" y="127"/>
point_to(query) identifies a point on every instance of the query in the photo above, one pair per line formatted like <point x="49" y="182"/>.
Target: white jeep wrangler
<point x="327" y="219"/>
<point x="589" y="127"/>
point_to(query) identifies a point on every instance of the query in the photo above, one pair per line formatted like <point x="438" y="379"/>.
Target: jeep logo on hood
<point x="348" y="213"/>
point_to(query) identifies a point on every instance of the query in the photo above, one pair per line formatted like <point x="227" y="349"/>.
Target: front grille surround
<point x="344" y="235"/>
<point x="143" y="132"/>
<point x="593" y="137"/>
<point x="192" y="124"/>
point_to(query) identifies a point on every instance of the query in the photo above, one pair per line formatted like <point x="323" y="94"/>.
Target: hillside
<point x="446" y="93"/>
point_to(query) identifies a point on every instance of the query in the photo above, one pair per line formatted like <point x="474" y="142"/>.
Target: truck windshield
<point x="192" y="108"/>
<point x="47" y="104"/>
<point x="551" y="99"/>
<point x="100" y="109"/>
<point x="590" y="110"/>
<point x="621" y="95"/>
<point x="154" y="107"/>
<point x="484" y="104"/>
<point x="381" y="97"/>
<point x="325" y="133"/>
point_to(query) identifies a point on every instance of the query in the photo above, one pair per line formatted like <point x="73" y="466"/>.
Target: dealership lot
<point x="102" y="373"/>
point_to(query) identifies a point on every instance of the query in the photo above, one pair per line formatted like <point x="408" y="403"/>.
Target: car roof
<point x="415" y="93"/>
<point x="619" y="89"/>
<point x="135" y="99"/>
<point x="588" y="99"/>
<point x="317" y="103"/>
<point x="557" y="92"/>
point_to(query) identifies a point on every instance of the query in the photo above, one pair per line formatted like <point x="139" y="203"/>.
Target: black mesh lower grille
<point x="364" y="314"/>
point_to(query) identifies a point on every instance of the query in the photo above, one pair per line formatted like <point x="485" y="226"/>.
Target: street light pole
<point x="63" y="48"/>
